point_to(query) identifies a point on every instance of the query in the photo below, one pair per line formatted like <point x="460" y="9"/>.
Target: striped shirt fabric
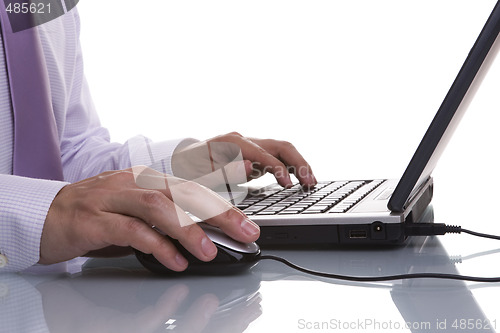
<point x="86" y="149"/>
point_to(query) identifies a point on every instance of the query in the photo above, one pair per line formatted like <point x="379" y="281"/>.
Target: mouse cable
<point x="412" y="229"/>
<point x="381" y="278"/>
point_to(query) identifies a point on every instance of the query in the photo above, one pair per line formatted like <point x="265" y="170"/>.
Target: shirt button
<point x="3" y="261"/>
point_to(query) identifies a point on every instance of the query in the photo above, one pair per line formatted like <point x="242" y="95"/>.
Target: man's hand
<point x="258" y="157"/>
<point x="111" y="211"/>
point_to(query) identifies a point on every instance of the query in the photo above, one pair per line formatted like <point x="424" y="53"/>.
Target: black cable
<point x="411" y="229"/>
<point x="480" y="234"/>
<point x="381" y="278"/>
<point x="436" y="229"/>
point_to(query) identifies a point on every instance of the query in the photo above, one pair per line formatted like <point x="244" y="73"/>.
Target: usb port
<point x="358" y="234"/>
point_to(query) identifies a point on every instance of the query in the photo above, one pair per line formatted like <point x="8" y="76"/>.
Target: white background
<point x="353" y="84"/>
<point x="360" y="79"/>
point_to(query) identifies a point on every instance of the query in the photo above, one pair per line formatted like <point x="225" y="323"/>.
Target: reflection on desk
<point x="119" y="295"/>
<point x="429" y="304"/>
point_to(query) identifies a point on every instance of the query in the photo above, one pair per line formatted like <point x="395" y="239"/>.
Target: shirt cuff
<point x="24" y="204"/>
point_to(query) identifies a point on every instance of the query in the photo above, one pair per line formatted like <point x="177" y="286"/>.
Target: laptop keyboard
<point x="325" y="197"/>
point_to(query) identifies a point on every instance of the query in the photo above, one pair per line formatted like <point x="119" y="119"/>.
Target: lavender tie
<point x="36" y="141"/>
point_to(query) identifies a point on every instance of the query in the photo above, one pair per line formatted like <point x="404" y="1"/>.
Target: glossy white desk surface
<point x="118" y="295"/>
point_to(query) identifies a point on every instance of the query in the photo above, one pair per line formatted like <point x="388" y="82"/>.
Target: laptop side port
<point x="357" y="234"/>
<point x="378" y="231"/>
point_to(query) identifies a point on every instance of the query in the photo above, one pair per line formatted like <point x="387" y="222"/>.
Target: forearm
<point x="94" y="154"/>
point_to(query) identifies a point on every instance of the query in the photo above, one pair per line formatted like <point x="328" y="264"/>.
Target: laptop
<point x="371" y="212"/>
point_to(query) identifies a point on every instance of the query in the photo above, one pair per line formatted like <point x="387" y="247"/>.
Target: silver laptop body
<point x="379" y="209"/>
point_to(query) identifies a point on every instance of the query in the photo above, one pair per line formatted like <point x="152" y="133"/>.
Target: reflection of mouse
<point x="232" y="256"/>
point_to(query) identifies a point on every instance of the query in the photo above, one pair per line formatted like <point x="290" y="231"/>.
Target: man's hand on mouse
<point x="116" y="211"/>
<point x="111" y="210"/>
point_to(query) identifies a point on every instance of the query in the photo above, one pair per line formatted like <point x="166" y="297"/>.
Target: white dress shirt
<point x="86" y="149"/>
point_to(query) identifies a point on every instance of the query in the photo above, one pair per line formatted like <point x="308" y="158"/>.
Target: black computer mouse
<point x="232" y="256"/>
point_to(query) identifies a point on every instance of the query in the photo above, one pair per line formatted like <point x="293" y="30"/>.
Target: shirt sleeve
<point x="24" y="203"/>
<point x="86" y="148"/>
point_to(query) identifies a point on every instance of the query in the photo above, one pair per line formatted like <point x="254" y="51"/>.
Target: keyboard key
<point x="333" y="197"/>
<point x="290" y="211"/>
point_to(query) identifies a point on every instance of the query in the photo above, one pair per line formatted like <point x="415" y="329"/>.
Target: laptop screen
<point x="450" y="113"/>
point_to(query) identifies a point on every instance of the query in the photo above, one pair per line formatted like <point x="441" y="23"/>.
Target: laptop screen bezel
<point x="449" y="113"/>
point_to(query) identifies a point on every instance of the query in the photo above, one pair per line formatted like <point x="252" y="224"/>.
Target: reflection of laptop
<point x="373" y="211"/>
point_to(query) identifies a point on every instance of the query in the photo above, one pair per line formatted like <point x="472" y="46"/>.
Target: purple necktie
<point x="36" y="141"/>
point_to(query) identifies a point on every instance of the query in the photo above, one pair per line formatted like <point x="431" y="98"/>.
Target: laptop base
<point x="374" y="233"/>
